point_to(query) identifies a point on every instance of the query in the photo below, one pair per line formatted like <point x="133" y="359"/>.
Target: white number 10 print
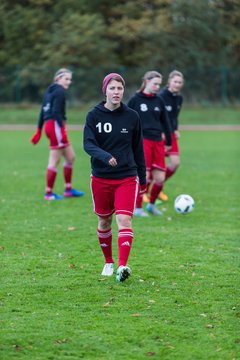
<point x="107" y="127"/>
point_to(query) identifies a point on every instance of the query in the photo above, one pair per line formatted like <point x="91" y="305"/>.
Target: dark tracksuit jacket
<point x="153" y="115"/>
<point x="53" y="106"/>
<point x="173" y="103"/>
<point x="117" y="134"/>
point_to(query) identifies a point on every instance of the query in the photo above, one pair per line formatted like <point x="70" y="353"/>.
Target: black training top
<point x="153" y="116"/>
<point x="173" y="103"/>
<point x="53" y="105"/>
<point x="115" y="134"/>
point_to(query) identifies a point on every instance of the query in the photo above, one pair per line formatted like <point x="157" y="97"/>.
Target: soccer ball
<point x="184" y="204"/>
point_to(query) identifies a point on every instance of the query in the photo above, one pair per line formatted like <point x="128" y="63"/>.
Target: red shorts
<point x="154" y="155"/>
<point x="53" y="132"/>
<point x="174" y="148"/>
<point x="111" y="196"/>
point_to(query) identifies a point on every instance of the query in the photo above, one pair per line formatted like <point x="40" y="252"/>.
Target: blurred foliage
<point x="133" y="32"/>
<point x="39" y="36"/>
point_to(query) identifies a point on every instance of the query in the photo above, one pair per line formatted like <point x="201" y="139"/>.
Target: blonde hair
<point x="174" y="73"/>
<point x="60" y="73"/>
<point x="148" y="76"/>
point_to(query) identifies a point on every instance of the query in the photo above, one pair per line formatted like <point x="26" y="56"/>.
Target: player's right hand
<point x="113" y="162"/>
<point x="142" y="189"/>
<point x="36" y="137"/>
<point x="167" y="147"/>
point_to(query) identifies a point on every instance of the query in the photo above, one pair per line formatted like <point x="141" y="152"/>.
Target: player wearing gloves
<point x="53" y="118"/>
<point x="113" y="139"/>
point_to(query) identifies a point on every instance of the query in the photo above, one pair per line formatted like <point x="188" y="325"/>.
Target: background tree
<point x="199" y="38"/>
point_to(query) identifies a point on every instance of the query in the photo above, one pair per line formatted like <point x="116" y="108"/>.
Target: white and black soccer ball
<point x="184" y="204"/>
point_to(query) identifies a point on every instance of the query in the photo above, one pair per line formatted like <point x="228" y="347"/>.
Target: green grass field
<point x="193" y="115"/>
<point x="182" y="301"/>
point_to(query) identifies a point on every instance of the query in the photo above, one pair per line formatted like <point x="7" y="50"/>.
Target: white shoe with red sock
<point x="108" y="269"/>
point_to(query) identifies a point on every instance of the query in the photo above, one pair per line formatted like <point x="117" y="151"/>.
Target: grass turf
<point x="193" y="115"/>
<point x="182" y="299"/>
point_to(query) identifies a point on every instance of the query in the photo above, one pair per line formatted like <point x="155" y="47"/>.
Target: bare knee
<point x="174" y="163"/>
<point x="124" y="221"/>
<point x="69" y="155"/>
<point x="54" y="158"/>
<point x="159" y="177"/>
<point x="52" y="165"/>
<point x="53" y="162"/>
<point x="178" y="163"/>
<point x="104" y="223"/>
<point x="72" y="158"/>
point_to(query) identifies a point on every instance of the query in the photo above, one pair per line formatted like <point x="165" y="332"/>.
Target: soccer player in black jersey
<point x="113" y="139"/>
<point x="173" y="103"/>
<point x="155" y="123"/>
<point x="53" y="118"/>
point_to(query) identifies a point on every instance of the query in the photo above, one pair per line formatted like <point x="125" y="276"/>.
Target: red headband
<point x="108" y="78"/>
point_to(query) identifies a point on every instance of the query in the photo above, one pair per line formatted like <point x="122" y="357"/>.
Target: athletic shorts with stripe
<point x="154" y="153"/>
<point x="53" y="132"/>
<point x="110" y="195"/>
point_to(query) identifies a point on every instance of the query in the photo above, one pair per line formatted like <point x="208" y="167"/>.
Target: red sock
<point x="169" y="173"/>
<point x="105" y="241"/>
<point x="155" y="191"/>
<point x="67" y="173"/>
<point x="50" y="179"/>
<point x="125" y="238"/>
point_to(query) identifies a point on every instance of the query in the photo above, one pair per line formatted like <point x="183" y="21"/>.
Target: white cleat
<point x="123" y="272"/>
<point x="140" y="213"/>
<point x="108" y="269"/>
<point x="151" y="208"/>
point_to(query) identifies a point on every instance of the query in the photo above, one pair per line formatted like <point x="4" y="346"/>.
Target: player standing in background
<point x="53" y="116"/>
<point x="113" y="139"/>
<point x="173" y="103"/>
<point x="155" y="122"/>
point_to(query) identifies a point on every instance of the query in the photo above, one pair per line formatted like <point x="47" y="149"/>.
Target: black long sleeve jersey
<point x="53" y="105"/>
<point x="153" y="115"/>
<point x="173" y="103"/>
<point x="117" y="134"/>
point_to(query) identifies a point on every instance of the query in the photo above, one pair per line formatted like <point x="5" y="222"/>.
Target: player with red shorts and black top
<point x="173" y="103"/>
<point x="113" y="139"/>
<point x="53" y="118"/>
<point x="154" y="121"/>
